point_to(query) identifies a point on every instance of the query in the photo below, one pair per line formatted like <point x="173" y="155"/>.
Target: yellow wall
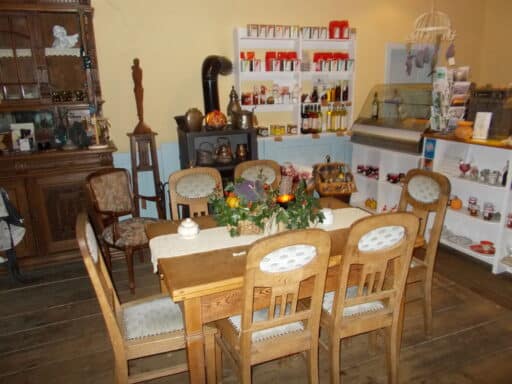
<point x="172" y="38"/>
<point x="495" y="53"/>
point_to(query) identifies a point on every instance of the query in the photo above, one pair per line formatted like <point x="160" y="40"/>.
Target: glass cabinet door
<point x="17" y="66"/>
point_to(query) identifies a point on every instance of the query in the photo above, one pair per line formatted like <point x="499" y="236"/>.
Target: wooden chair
<point x="426" y="194"/>
<point x="381" y="247"/>
<point x="274" y="327"/>
<point x="139" y="328"/>
<point x="191" y="187"/>
<point x="252" y="170"/>
<point x="110" y="197"/>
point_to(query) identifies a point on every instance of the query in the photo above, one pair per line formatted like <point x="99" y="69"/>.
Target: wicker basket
<point x="247" y="227"/>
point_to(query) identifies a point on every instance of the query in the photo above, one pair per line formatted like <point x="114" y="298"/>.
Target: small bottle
<point x="314" y="95"/>
<point x="305" y="128"/>
<point x="375" y="107"/>
<point x="344" y="91"/>
<point x="344" y="118"/>
<point x="337" y="92"/>
<point x="233" y="106"/>
<point x="321" y="126"/>
<point x="328" y="119"/>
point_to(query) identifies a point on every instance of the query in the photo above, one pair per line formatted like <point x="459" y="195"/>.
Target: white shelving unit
<point x="386" y="194"/>
<point x="245" y="80"/>
<point x="445" y="159"/>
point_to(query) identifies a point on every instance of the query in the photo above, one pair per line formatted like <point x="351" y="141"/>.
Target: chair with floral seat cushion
<point x="426" y="194"/>
<point x="110" y="197"/>
<point x="376" y="257"/>
<point x="139" y="328"/>
<point x="266" y="170"/>
<point x="272" y="325"/>
<point x="191" y="188"/>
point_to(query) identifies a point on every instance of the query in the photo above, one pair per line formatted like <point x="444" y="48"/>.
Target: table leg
<point x="195" y="340"/>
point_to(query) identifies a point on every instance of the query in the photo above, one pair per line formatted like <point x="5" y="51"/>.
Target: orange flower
<point x="232" y="202"/>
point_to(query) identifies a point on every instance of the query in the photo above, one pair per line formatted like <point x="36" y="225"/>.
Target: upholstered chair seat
<point x="152" y="317"/>
<point x="131" y="232"/>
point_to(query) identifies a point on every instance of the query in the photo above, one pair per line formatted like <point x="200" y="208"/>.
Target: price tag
<point x="278" y="138"/>
<point x="315" y="135"/>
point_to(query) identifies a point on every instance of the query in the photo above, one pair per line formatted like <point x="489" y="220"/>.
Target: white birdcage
<point x="429" y="26"/>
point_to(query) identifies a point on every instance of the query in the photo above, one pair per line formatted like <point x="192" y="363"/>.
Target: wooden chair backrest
<point x="381" y="246"/>
<point x="284" y="284"/>
<point x="426" y="192"/>
<point x="100" y="279"/>
<point x="251" y="169"/>
<point x="110" y="194"/>
<point x="198" y="183"/>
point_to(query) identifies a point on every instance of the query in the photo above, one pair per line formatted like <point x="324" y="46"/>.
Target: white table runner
<point x="173" y="245"/>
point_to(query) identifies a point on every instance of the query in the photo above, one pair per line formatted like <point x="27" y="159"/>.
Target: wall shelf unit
<point x="299" y="80"/>
<point x="375" y="186"/>
<point x="463" y="230"/>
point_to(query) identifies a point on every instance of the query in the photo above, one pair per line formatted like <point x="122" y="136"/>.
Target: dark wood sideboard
<point x="48" y="190"/>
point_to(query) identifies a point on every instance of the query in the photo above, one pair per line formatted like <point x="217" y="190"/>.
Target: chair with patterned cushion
<point x="139" y="328"/>
<point x="371" y="285"/>
<point x="272" y="325"/>
<point x="267" y="170"/>
<point x="110" y="197"/>
<point x="425" y="194"/>
<point x="191" y="188"/>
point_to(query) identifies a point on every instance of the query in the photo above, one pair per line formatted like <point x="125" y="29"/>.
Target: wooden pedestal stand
<point x="143" y="148"/>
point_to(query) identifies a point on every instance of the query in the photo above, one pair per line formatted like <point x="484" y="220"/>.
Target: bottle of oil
<point x="329" y="119"/>
<point x="344" y="118"/>
<point x="375" y="107"/>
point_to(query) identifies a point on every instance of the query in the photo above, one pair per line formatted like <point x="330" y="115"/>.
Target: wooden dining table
<point x="209" y="285"/>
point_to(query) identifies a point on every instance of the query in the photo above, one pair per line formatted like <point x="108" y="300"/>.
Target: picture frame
<point x="22" y="136"/>
<point x="481" y="125"/>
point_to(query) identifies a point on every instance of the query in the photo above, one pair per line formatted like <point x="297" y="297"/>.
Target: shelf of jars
<point x="477" y="218"/>
<point x="296" y="74"/>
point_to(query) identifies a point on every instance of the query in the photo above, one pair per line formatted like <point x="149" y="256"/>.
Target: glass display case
<point x="394" y="116"/>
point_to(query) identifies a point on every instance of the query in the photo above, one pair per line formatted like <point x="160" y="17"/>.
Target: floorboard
<point x="51" y="331"/>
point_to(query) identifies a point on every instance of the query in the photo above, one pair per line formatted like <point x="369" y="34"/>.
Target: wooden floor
<point x="51" y="331"/>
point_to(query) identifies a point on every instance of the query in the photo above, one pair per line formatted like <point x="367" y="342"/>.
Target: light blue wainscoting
<point x="301" y="150"/>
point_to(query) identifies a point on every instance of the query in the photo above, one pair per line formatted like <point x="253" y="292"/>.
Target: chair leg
<point x="427" y="306"/>
<point x="393" y="344"/>
<point x="334" y="356"/>
<point x="128" y="253"/>
<point x="218" y="360"/>
<point x="313" y="364"/>
<point x="120" y="371"/>
<point x="108" y="256"/>
<point x="209" y="351"/>
<point x="245" y="373"/>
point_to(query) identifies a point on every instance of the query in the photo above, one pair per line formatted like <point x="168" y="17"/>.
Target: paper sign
<point x="481" y="126"/>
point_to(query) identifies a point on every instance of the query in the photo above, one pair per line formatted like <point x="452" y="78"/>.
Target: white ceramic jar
<point x="188" y="229"/>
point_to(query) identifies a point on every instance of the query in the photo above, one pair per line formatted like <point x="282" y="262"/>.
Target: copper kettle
<point x="223" y="152"/>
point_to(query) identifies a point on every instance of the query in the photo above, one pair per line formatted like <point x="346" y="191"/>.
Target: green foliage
<point x="234" y="206"/>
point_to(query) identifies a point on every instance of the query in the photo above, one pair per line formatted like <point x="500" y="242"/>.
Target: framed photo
<point x="22" y="136"/>
<point x="482" y="124"/>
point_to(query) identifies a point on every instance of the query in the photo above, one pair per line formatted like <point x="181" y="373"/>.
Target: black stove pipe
<point x="212" y="66"/>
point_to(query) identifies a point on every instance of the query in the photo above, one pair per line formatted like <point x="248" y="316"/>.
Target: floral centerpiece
<point x="253" y="207"/>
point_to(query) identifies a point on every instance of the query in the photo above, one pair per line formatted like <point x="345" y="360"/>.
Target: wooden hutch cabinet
<point x="48" y="190"/>
<point x="45" y="83"/>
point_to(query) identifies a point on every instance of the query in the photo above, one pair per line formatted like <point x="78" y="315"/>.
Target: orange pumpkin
<point x="456" y="203"/>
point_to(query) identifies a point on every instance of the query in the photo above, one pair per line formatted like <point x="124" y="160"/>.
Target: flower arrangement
<point x="254" y="204"/>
